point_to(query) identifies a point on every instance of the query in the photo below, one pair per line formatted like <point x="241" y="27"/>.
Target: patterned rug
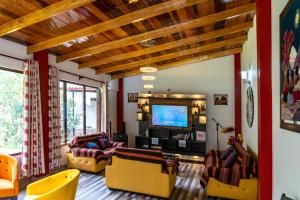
<point x="92" y="186"/>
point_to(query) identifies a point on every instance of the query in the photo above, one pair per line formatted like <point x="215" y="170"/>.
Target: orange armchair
<point x="9" y="186"/>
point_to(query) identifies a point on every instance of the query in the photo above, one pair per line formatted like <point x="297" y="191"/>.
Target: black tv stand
<point x="172" y="139"/>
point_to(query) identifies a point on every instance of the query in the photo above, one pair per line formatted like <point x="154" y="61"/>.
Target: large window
<point x="78" y="110"/>
<point x="11" y="112"/>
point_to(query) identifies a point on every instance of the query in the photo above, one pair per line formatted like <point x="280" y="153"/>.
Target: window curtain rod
<point x="80" y="77"/>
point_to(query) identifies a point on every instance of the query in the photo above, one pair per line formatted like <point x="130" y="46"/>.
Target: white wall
<point x="112" y="104"/>
<point x="286" y="144"/>
<point x="249" y="63"/>
<point x="208" y="77"/>
<point x="16" y="50"/>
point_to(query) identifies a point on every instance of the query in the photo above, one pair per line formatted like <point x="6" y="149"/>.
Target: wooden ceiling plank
<point x="148" y="12"/>
<point x="159" y="32"/>
<point x="40" y="15"/>
<point x="183" y="62"/>
<point x="169" y="45"/>
<point x="212" y="46"/>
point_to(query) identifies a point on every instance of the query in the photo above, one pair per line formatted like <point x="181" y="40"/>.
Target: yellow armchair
<point x="9" y="186"/>
<point x="60" y="186"/>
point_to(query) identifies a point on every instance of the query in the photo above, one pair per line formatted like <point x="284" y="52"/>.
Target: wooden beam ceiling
<point x="183" y="62"/>
<point x="40" y="15"/>
<point x="208" y="47"/>
<point x="169" y="45"/>
<point x="241" y="10"/>
<point x="141" y="14"/>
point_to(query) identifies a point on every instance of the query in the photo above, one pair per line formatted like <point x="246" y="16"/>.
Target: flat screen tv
<point x="169" y="115"/>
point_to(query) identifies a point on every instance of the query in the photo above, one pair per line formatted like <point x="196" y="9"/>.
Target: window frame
<point x="64" y="140"/>
<point x="18" y="72"/>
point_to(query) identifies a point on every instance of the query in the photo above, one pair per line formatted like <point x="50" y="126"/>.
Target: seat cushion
<point x="6" y="188"/>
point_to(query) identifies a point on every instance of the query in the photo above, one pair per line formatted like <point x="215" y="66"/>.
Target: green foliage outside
<point x="11" y="112"/>
<point x="73" y="119"/>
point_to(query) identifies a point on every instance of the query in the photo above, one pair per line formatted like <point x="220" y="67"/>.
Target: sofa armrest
<point x="247" y="189"/>
<point x="38" y="187"/>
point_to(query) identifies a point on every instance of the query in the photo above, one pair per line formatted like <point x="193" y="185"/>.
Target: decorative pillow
<point x="104" y="142"/>
<point x="226" y="153"/>
<point x="230" y="160"/>
<point x="92" y="145"/>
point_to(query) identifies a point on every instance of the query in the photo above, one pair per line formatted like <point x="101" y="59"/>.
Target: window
<point x="11" y="111"/>
<point x="78" y="110"/>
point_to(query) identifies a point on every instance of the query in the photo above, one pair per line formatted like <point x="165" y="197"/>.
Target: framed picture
<point x="289" y="66"/>
<point x="132" y="97"/>
<point x="221" y="99"/>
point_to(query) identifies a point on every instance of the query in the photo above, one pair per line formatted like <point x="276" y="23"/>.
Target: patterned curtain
<point x="33" y="162"/>
<point x="54" y="119"/>
<point x="99" y="110"/>
<point x="104" y="108"/>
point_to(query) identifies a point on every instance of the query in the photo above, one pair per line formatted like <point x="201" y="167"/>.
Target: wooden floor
<point x="92" y="187"/>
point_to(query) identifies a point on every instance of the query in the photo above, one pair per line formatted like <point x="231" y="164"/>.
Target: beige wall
<point x="208" y="77"/>
<point x="286" y="144"/>
<point x="249" y="63"/>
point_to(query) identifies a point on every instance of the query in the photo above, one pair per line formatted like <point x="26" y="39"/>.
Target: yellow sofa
<point x="85" y="163"/>
<point x="60" y="186"/>
<point x="140" y="177"/>
<point x="247" y="189"/>
<point x="9" y="186"/>
<point x="82" y="158"/>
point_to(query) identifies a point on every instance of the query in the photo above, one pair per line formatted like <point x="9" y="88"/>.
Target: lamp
<point x="202" y="120"/>
<point x="245" y="75"/>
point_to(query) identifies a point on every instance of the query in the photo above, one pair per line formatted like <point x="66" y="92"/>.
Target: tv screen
<point x="167" y="115"/>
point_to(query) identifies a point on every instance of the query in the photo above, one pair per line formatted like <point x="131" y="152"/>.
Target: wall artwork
<point x="221" y="99"/>
<point x="132" y="97"/>
<point x="289" y="66"/>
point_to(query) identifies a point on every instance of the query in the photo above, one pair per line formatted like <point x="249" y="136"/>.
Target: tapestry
<point x="289" y="66"/>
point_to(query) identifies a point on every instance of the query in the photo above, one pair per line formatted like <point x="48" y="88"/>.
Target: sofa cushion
<point x="82" y="140"/>
<point x="92" y="145"/>
<point x="242" y="155"/>
<point x="104" y="142"/>
<point x="230" y="160"/>
<point x="226" y="153"/>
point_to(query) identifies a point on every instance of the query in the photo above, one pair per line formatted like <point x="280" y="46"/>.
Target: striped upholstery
<point x="243" y="167"/>
<point x="152" y="156"/>
<point x="78" y="147"/>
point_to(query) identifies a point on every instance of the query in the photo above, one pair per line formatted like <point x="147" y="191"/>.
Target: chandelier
<point x="148" y="78"/>
<point x="148" y="86"/>
<point x="148" y="69"/>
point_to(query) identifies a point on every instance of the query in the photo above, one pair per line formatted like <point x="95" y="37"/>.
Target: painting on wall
<point x="289" y="66"/>
<point x="221" y="99"/>
<point x="132" y="97"/>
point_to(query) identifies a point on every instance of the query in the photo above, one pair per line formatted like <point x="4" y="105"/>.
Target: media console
<point x="172" y="139"/>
